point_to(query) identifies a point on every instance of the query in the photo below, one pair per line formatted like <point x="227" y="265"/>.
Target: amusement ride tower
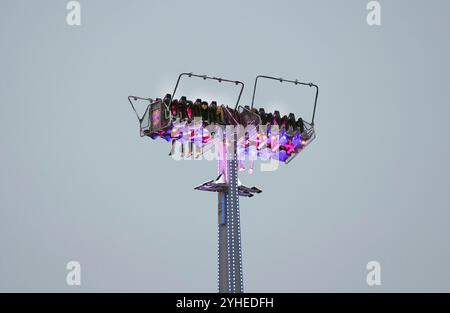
<point x="199" y="126"/>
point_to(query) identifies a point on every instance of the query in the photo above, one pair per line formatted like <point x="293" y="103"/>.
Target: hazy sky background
<point x="78" y="183"/>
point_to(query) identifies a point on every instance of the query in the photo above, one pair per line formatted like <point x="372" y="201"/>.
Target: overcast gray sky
<point x="78" y="183"/>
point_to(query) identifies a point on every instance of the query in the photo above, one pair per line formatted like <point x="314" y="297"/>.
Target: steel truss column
<point x="230" y="276"/>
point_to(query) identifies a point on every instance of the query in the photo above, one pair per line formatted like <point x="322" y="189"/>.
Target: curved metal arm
<point x="212" y="78"/>
<point x="134" y="109"/>
<point x="296" y="82"/>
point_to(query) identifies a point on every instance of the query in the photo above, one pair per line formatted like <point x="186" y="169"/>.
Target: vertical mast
<point x="230" y="276"/>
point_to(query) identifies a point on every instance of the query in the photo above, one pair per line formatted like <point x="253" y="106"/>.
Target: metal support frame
<point x="296" y="82"/>
<point x="205" y="77"/>
<point x="135" y="98"/>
